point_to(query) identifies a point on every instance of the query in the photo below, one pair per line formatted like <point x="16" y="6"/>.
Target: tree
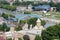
<point x="11" y="15"/>
<point x="9" y="39"/>
<point x="22" y="22"/>
<point x="18" y="28"/>
<point x="51" y="33"/>
<point x="5" y="27"/>
<point x="19" y="39"/>
<point x="32" y="21"/>
<point x="52" y="4"/>
<point x="4" y="15"/>
<point x="17" y="3"/>
<point x="27" y="12"/>
<point x="8" y="7"/>
<point x="58" y="5"/>
<point x="1" y="29"/>
<point x="4" y="2"/>
<point x="43" y="3"/>
<point x="37" y="37"/>
<point x="43" y="22"/>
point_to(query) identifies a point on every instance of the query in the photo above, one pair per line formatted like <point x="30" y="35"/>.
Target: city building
<point x="2" y="35"/>
<point x="2" y="20"/>
<point x="56" y="1"/>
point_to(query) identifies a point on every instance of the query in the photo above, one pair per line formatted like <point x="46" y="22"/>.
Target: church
<point x="31" y="33"/>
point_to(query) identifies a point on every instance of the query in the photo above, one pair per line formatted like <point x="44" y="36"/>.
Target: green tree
<point x="9" y="39"/>
<point x="43" y="22"/>
<point x="27" y="12"/>
<point x="21" y="22"/>
<point x="8" y="7"/>
<point x="19" y="39"/>
<point x="4" y="27"/>
<point x="1" y="29"/>
<point x="4" y="15"/>
<point x="17" y="3"/>
<point x="32" y="21"/>
<point x="4" y="2"/>
<point x="51" y="33"/>
<point x="18" y="28"/>
<point x="58" y="5"/>
<point x="11" y="15"/>
<point x="37" y="37"/>
<point x="52" y="4"/>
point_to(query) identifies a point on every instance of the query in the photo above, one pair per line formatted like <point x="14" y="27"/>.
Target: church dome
<point x="38" y="20"/>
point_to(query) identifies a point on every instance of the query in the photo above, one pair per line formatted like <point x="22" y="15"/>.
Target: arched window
<point x="26" y="37"/>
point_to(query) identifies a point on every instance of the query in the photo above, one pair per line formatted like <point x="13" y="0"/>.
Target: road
<point x="52" y="20"/>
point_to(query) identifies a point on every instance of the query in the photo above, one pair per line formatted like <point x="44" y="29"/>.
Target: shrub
<point x="6" y="15"/>
<point x="8" y="7"/>
<point x="27" y="12"/>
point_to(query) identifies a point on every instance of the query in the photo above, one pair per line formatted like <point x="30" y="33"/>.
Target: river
<point x="22" y="16"/>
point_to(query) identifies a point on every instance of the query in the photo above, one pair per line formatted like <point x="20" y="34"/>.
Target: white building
<point x="36" y="30"/>
<point x="2" y="20"/>
<point x="32" y="32"/>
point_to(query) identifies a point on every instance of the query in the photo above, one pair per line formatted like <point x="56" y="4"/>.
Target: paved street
<point x="52" y="20"/>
